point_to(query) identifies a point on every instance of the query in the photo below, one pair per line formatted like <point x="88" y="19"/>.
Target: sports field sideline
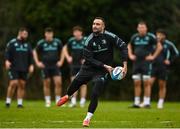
<point x="108" y="115"/>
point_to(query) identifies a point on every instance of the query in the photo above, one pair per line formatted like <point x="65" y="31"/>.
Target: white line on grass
<point x="70" y="121"/>
<point x="88" y="128"/>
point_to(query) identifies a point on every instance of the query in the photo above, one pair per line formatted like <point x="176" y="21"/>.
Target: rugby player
<point x="48" y="56"/>
<point x="162" y="63"/>
<point x="140" y="50"/>
<point x="74" y="54"/>
<point x="18" y="62"/>
<point x="98" y="54"/>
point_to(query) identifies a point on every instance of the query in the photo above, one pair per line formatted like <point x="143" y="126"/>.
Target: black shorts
<point x="74" y="70"/>
<point x="87" y="74"/>
<point x="17" y="75"/>
<point x="142" y="67"/>
<point x="160" y="71"/>
<point x="50" y="72"/>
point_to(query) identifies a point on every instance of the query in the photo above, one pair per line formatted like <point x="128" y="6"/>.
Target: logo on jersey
<point x="55" y="44"/>
<point x="16" y="44"/>
<point x="21" y="46"/>
<point x="83" y="42"/>
<point x="74" y="43"/>
<point x="146" y="38"/>
<point x="103" y="41"/>
<point x="99" y="47"/>
<point x="141" y="41"/>
<point x="137" y="38"/>
<point x="25" y="45"/>
<point x="45" y="45"/>
<point x="94" y="44"/>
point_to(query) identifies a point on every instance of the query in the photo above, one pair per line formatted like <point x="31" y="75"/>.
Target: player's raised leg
<point x="71" y="90"/>
<point x="74" y="86"/>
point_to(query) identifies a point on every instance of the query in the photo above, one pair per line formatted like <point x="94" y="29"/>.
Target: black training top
<point x="75" y="47"/>
<point x="19" y="53"/>
<point x="49" y="52"/>
<point x="143" y="45"/>
<point x="99" y="49"/>
<point x="169" y="52"/>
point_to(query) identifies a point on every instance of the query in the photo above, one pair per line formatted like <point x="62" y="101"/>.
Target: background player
<point x="140" y="48"/>
<point x="98" y="54"/>
<point x="74" y="55"/>
<point x="161" y="64"/>
<point x="18" y="61"/>
<point x="49" y="57"/>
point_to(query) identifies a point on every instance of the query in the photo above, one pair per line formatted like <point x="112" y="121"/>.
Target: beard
<point x="23" y="39"/>
<point x="97" y="32"/>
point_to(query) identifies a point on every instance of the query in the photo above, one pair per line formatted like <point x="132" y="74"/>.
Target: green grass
<point x="108" y="115"/>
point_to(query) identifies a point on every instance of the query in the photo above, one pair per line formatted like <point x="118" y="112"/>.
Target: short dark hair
<point x="48" y="29"/>
<point x="21" y="29"/>
<point x="101" y="18"/>
<point x="79" y="28"/>
<point x="142" y="23"/>
<point x="162" y="31"/>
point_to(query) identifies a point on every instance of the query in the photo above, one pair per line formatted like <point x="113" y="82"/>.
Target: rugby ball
<point x="117" y="73"/>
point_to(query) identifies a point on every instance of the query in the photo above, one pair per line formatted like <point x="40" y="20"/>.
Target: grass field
<point x="108" y="115"/>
